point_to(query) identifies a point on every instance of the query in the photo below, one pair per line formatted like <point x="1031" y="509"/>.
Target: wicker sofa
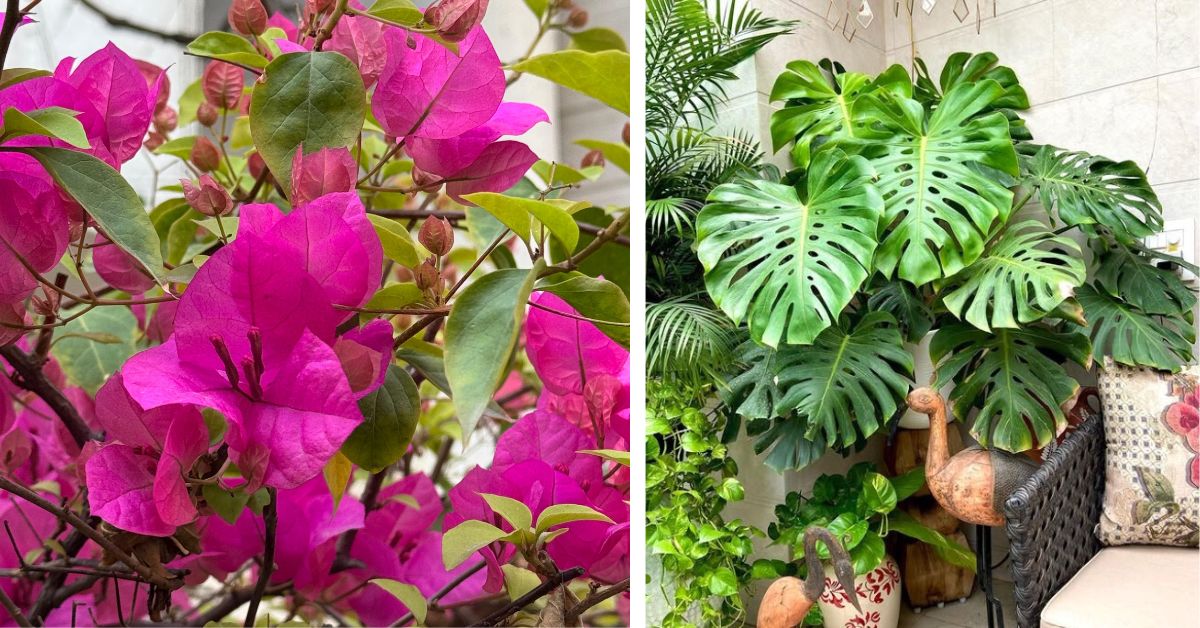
<point x="1064" y="578"/>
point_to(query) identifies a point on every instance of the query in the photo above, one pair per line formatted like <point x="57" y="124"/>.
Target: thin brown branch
<point x="32" y="378"/>
<point x="271" y="519"/>
<point x="595" y="597"/>
<point x="604" y="237"/>
<point x="120" y="22"/>
<point x="457" y="215"/>
<point x="549" y="585"/>
<point x="72" y="519"/>
<point x="444" y="591"/>
<point x="12" y="19"/>
<point x="326" y="31"/>
<point x="13" y="612"/>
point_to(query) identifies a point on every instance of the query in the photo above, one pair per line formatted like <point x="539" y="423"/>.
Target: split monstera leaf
<point x="909" y="211"/>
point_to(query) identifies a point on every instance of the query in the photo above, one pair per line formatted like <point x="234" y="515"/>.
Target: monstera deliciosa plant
<point x="910" y="210"/>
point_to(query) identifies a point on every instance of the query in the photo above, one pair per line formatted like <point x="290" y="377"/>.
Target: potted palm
<point x="920" y="207"/>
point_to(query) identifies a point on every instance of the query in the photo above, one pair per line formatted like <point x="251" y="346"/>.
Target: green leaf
<point x="519" y="581"/>
<point x="942" y="175"/>
<point x="1134" y="278"/>
<point x="597" y="40"/>
<point x="731" y="490"/>
<point x="397" y="242"/>
<point x="901" y="300"/>
<point x="817" y="109"/>
<point x="723" y="582"/>
<point x="12" y="76"/>
<point x="566" y="513"/>
<point x="1024" y="275"/>
<point x="1013" y="376"/>
<point x="1087" y="189"/>
<point x="399" y="11"/>
<point x="946" y="549"/>
<point x="601" y="75"/>
<point x="788" y="264"/>
<point x="849" y="382"/>
<point x="868" y="554"/>
<point x="908" y="483"/>
<point x="337" y="476"/>
<point x="966" y="67"/>
<point x="514" y="512"/>
<point x="427" y="359"/>
<point x="54" y="122"/>
<point x="481" y="334"/>
<point x="395" y="296"/>
<point x="518" y="214"/>
<point x="594" y="298"/>
<point x="1132" y="337"/>
<point x="226" y="47"/>
<point x="616" y="455"/>
<point x="409" y="595"/>
<point x="615" y="153"/>
<point x="314" y="99"/>
<point x="538" y="6"/>
<point x="556" y="173"/>
<point x="879" y="494"/>
<point x="107" y="198"/>
<point x="227" y="504"/>
<point x="88" y="363"/>
<point x="189" y="102"/>
<point x="390" y="417"/>
<point x="466" y="538"/>
<point x="752" y="391"/>
<point x="180" y="147"/>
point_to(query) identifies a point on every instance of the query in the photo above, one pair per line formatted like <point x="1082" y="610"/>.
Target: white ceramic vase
<point x="878" y="594"/>
<point x="923" y="376"/>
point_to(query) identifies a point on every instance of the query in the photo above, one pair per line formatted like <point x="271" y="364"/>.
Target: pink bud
<point x="206" y="114"/>
<point x="317" y="6"/>
<point x="323" y="172"/>
<point x="222" y="84"/>
<point x="248" y="17"/>
<point x="593" y="158"/>
<point x="205" y="155"/>
<point x="209" y="198"/>
<point x="166" y="120"/>
<point x="256" y="165"/>
<point x="453" y="19"/>
<point x="437" y="235"/>
<point x="625" y="134"/>
<point x="424" y="181"/>
<point x="154" y="139"/>
<point x="427" y="276"/>
<point x="578" y="18"/>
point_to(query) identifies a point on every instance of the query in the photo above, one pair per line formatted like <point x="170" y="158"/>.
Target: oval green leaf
<point x="226" y="47"/>
<point x="390" y="416"/>
<point x="601" y="75"/>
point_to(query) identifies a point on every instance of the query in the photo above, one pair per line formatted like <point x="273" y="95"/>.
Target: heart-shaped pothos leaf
<point x="942" y="177"/>
<point x="817" y="107"/>
<point x="1013" y="376"/>
<point x="1086" y="189"/>
<point x="1130" y="336"/>
<point x="1026" y="273"/>
<point x="788" y="260"/>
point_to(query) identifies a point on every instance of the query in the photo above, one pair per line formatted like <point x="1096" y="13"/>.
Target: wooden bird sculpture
<point x="974" y="483"/>
<point x="788" y="599"/>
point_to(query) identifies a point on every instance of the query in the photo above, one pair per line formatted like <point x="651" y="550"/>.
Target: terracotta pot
<point x="923" y="375"/>
<point x="878" y="593"/>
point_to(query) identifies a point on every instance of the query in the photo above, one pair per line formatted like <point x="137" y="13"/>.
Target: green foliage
<point x="595" y="298"/>
<point x="226" y="47"/>
<point x="602" y="75"/>
<point x="689" y="481"/>
<point x="859" y="509"/>
<point x="481" y="334"/>
<point x="787" y="261"/>
<point x="92" y="346"/>
<point x="390" y="415"/>
<point x="1131" y="336"/>
<point x="54" y="122"/>
<point x="310" y="99"/>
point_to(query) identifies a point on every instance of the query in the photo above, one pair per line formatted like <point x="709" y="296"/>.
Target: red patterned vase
<point x="878" y="594"/>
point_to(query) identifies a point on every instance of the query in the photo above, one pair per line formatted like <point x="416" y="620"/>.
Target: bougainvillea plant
<point x="362" y="366"/>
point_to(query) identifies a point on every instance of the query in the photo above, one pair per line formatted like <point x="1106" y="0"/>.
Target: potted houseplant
<point x="859" y="508"/>
<point x="918" y="206"/>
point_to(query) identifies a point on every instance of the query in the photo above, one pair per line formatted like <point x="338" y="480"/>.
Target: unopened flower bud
<point x="208" y="198"/>
<point x="427" y="276"/>
<point x="578" y="18"/>
<point x="154" y="139"/>
<point x="437" y="235"/>
<point x="205" y="155"/>
<point x="593" y="158"/>
<point x="564" y="4"/>
<point x="454" y="19"/>
<point x="222" y="84"/>
<point x="625" y="134"/>
<point x="166" y="120"/>
<point x="317" y="6"/>
<point x="256" y="165"/>
<point x="206" y="114"/>
<point x="248" y="17"/>
<point x="425" y="181"/>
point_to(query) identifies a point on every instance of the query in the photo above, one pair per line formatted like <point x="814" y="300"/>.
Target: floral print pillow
<point x="1152" y="472"/>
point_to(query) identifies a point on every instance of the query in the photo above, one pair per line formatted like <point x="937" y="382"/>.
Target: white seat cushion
<point x="1132" y="586"/>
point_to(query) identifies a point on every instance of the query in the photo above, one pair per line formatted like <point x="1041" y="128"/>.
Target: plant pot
<point x="923" y="375"/>
<point x="878" y="593"/>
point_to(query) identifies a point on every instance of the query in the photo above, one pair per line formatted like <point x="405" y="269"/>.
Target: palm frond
<point x="687" y="339"/>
